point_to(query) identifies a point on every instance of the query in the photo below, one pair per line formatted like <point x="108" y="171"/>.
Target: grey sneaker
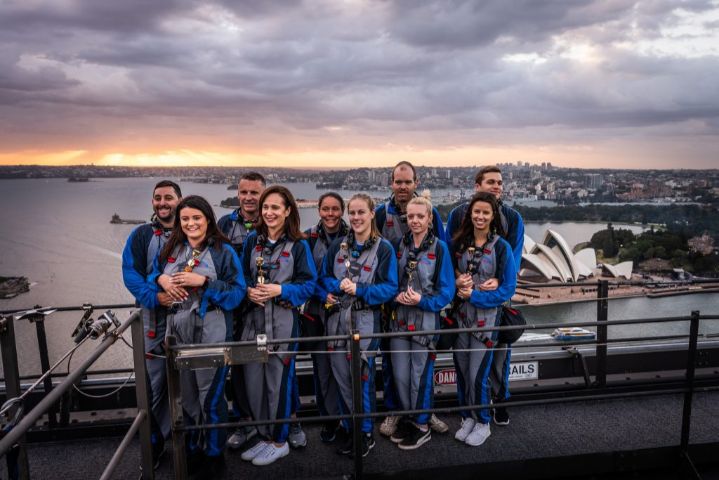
<point x="389" y="425"/>
<point x="438" y="425"/>
<point x="297" y="437"/>
<point x="240" y="437"/>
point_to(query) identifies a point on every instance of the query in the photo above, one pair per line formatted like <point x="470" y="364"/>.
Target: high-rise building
<point x="593" y="180"/>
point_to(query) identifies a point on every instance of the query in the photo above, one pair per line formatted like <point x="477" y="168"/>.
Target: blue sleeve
<point x="245" y="259"/>
<point x="507" y="276"/>
<point x="228" y="290"/>
<point x="223" y="223"/>
<point x="330" y="283"/>
<point x="453" y="222"/>
<point x="134" y="263"/>
<point x="437" y="226"/>
<point x="304" y="279"/>
<point x="384" y="287"/>
<point x="444" y="283"/>
<point x="515" y="237"/>
<point x="380" y="216"/>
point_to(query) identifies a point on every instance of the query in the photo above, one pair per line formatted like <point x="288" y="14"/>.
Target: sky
<point x="350" y="83"/>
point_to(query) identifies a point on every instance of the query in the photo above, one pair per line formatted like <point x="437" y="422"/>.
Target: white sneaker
<point x="249" y="454"/>
<point x="389" y="425"/>
<point x="270" y="454"/>
<point x="479" y="434"/>
<point x="465" y="429"/>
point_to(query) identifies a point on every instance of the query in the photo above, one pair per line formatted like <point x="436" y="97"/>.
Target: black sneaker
<point x="367" y="445"/>
<point x="404" y="429"/>
<point x="501" y="416"/>
<point x="329" y="431"/>
<point x="416" y="437"/>
<point x="345" y="443"/>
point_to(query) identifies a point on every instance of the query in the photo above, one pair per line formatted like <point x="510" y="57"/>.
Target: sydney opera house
<point x="553" y="259"/>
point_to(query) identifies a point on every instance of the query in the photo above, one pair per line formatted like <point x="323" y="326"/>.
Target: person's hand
<point x="255" y="296"/>
<point x="411" y="297"/>
<point x="491" y="284"/>
<point x="464" y="293"/>
<point x="176" y="292"/>
<point x="188" y="279"/>
<point x="164" y="299"/>
<point x="269" y="290"/>
<point x="331" y="299"/>
<point x="463" y="281"/>
<point x="348" y="286"/>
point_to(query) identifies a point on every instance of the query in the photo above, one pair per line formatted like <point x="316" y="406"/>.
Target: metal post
<point x="688" y="394"/>
<point x="176" y="418"/>
<point x="143" y="401"/>
<point x="691" y="364"/>
<point x="39" y="321"/>
<point x="601" y="351"/>
<point x="12" y="389"/>
<point x="356" y="369"/>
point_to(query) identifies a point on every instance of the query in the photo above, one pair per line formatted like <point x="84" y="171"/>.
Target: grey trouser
<point x="413" y="368"/>
<point x="473" y="375"/>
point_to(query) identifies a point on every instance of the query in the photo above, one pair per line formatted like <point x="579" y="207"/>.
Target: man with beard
<point x="143" y="245"/>
<point x="391" y="218"/>
<point x="489" y="179"/>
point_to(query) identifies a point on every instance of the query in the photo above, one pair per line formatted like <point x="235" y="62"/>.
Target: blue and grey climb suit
<point x="473" y="351"/>
<point x="236" y="229"/>
<point x="428" y="270"/>
<point x="143" y="245"/>
<point x="373" y="267"/>
<point x="392" y="224"/>
<point x="270" y="385"/>
<point x="326" y="389"/>
<point x="204" y="317"/>
<point x="514" y="228"/>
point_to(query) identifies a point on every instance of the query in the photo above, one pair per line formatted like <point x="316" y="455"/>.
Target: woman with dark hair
<point x="486" y="278"/>
<point x="281" y="276"/>
<point x="202" y="282"/>
<point x="331" y="226"/>
<point x="359" y="274"/>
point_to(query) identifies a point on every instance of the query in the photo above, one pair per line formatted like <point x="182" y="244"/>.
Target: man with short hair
<point x="489" y="179"/>
<point x="391" y="218"/>
<point x="141" y="248"/>
<point x="237" y="226"/>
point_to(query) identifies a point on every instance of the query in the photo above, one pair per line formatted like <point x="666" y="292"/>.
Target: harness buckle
<point x="261" y="342"/>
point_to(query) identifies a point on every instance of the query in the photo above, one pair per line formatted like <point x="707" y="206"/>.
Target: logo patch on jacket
<point x="389" y="223"/>
<point x="367" y="268"/>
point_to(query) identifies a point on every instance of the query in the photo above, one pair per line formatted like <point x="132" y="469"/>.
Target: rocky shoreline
<point x="13" y="286"/>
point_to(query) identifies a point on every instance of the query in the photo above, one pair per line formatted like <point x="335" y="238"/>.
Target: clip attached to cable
<point x="262" y="342"/>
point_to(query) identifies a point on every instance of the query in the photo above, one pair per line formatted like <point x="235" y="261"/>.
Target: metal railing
<point x="201" y="356"/>
<point x="12" y="441"/>
<point x="192" y="356"/>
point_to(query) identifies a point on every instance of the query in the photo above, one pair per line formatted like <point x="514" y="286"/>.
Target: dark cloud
<point x="448" y="72"/>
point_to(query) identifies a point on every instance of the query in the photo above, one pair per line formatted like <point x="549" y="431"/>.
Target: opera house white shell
<point x="553" y="259"/>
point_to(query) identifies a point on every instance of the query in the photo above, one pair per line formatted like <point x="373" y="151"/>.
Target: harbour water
<point x="58" y="234"/>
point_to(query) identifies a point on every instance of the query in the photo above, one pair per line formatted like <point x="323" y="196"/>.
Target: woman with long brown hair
<point x="281" y="276"/>
<point x="202" y="282"/>
<point x="481" y="260"/>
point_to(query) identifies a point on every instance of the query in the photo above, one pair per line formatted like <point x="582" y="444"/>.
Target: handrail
<point x="632" y="321"/>
<point x="33" y="415"/>
<point x="141" y="423"/>
<point x="697" y="281"/>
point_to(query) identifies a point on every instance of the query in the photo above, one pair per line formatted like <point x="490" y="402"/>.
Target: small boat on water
<point x="573" y="333"/>
<point x="116" y="220"/>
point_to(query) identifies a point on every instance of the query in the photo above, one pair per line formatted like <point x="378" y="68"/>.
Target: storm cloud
<point x="99" y="76"/>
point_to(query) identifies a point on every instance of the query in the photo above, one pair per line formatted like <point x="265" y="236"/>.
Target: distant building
<point x="593" y="180"/>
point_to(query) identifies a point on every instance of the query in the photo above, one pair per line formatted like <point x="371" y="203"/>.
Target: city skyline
<point x="589" y="84"/>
